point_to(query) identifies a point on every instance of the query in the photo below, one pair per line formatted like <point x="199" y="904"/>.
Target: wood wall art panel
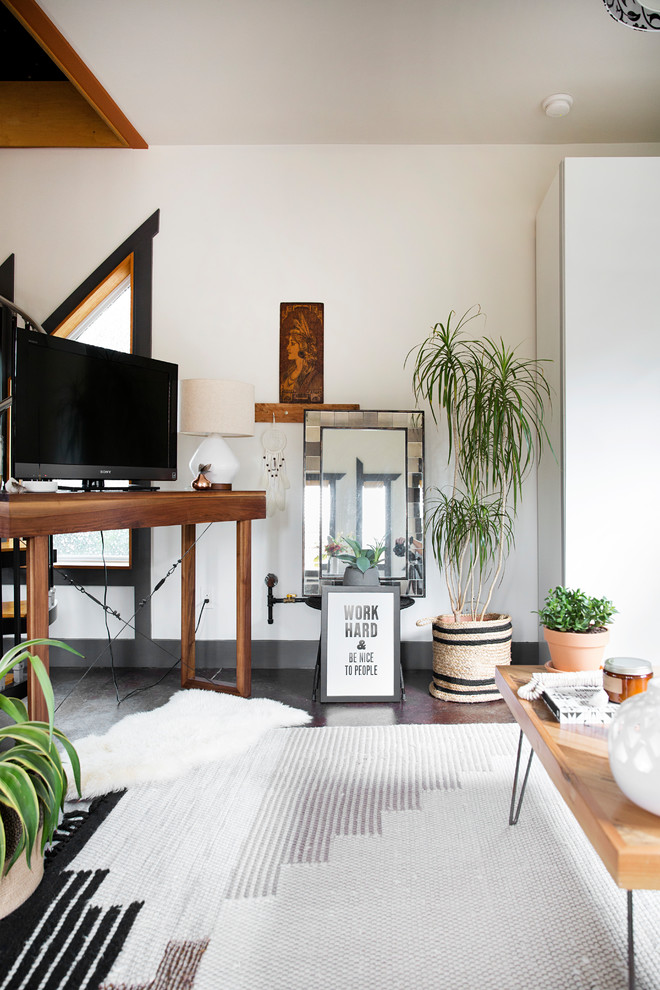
<point x="301" y="352"/>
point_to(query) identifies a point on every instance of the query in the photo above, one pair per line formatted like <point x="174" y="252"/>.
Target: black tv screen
<point x="90" y="413"/>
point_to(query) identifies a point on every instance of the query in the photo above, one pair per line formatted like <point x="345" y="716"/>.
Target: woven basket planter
<point x="20" y="882"/>
<point x="465" y="655"/>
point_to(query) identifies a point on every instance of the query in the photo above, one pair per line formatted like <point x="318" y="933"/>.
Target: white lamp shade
<point x="209" y="405"/>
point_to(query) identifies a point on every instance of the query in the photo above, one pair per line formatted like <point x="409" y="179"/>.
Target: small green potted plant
<point x="362" y="561"/>
<point x="33" y="782"/>
<point x="575" y="628"/>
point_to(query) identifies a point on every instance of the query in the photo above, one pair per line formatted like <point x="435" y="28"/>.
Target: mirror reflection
<point x="363" y="479"/>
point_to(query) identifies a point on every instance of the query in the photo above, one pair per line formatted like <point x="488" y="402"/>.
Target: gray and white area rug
<point x="373" y="858"/>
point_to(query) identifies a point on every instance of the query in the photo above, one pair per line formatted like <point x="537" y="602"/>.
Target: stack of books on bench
<point x="581" y="705"/>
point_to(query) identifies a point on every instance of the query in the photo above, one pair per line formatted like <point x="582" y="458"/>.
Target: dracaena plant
<point x="33" y="782"/>
<point x="494" y="405"/>
<point x="361" y="557"/>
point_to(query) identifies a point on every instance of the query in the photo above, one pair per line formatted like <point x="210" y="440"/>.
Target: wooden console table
<point x="36" y="517"/>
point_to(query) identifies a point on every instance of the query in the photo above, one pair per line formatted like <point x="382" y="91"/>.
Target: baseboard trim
<point x="213" y="654"/>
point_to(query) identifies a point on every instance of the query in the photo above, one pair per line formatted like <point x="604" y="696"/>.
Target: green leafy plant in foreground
<point x="571" y="610"/>
<point x="361" y="557"/>
<point x="33" y="782"/>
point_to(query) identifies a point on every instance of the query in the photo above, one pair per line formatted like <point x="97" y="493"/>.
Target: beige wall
<point x="388" y="238"/>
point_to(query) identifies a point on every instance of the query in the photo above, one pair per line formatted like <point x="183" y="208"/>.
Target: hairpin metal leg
<point x="631" y="943"/>
<point x="514" y="815"/>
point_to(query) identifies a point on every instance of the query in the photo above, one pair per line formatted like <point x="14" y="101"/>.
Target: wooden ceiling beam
<point x="50" y="115"/>
<point x="44" y="32"/>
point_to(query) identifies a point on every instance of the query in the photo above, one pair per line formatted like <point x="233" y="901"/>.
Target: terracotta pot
<point x="576" y="651"/>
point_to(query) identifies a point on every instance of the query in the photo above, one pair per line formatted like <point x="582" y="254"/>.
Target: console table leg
<point x="515" y="814"/>
<point x="243" y="686"/>
<point x="631" y="943"/>
<point x="187" y="604"/>
<point x="243" y="608"/>
<point x="37" y="618"/>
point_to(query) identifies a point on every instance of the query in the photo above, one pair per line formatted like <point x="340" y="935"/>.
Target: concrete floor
<point x="89" y="706"/>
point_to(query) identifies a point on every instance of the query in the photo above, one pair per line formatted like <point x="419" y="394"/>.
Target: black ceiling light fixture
<point x="642" y="15"/>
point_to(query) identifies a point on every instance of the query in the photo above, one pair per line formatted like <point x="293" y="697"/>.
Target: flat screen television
<point x="90" y="414"/>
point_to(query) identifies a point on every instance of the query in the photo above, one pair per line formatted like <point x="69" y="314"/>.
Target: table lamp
<point x="215" y="408"/>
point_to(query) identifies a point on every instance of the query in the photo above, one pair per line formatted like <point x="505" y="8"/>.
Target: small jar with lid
<point x="624" y="677"/>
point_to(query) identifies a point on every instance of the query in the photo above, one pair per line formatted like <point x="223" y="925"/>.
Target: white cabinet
<point x="598" y="319"/>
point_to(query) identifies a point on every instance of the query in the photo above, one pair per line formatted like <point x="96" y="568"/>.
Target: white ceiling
<point x="368" y="71"/>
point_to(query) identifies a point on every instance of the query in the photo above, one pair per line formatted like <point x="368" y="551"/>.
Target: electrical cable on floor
<point x="148" y="687"/>
<point x="128" y="622"/>
<point x="105" y="649"/>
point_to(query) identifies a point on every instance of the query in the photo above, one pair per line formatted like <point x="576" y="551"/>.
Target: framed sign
<point x="360" y="643"/>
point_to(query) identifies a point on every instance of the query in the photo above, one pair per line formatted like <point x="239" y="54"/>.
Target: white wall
<point x="600" y="315"/>
<point x="388" y="238"/>
<point x="550" y="337"/>
<point x="612" y="353"/>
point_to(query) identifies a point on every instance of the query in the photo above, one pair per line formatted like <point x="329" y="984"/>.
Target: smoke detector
<point x="558" y="105"/>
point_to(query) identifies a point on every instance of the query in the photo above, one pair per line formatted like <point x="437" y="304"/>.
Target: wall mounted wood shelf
<point x="291" y="412"/>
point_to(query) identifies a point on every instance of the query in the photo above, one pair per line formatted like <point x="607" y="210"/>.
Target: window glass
<point x="86" y="549"/>
<point x="109" y="324"/>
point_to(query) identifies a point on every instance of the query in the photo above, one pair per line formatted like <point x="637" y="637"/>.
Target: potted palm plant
<point x="493" y="403"/>
<point x="33" y="783"/>
<point x="575" y="628"/>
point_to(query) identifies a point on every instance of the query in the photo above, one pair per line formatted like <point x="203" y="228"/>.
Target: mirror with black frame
<point x="363" y="477"/>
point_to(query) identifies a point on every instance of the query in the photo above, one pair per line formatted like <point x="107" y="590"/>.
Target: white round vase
<point x="634" y="747"/>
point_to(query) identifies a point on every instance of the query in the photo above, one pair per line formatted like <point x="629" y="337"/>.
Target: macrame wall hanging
<point x="274" y="478"/>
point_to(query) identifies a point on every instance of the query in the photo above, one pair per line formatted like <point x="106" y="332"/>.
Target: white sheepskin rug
<point x="194" y="727"/>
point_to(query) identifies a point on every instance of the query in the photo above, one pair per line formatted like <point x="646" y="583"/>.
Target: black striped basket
<point x="465" y="656"/>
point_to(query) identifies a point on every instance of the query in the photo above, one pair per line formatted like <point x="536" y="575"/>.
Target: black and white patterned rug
<point x="372" y="857"/>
